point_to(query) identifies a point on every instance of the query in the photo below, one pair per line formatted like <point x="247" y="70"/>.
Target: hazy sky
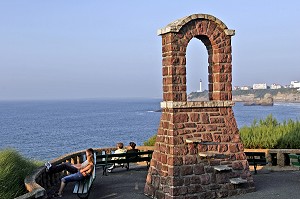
<point x="69" y="49"/>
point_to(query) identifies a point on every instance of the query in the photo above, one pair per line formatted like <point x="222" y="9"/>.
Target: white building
<point x="245" y="88"/>
<point x="260" y="86"/>
<point x="295" y="84"/>
<point x="275" y="86"/>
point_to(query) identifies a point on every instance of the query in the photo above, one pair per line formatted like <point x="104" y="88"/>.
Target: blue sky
<point x="69" y="49"/>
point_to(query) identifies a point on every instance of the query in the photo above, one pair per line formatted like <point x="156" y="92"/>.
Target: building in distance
<point x="245" y="88"/>
<point x="295" y="84"/>
<point x="260" y="86"/>
<point x="275" y="86"/>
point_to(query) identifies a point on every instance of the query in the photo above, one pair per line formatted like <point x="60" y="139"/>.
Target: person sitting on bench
<point x="78" y="171"/>
<point x="133" y="150"/>
<point x="120" y="149"/>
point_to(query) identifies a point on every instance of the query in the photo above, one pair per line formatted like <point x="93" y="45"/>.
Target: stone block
<point x="221" y="178"/>
<point x="223" y="148"/>
<point x="201" y="128"/>
<point x="211" y="128"/>
<point x="205" y="179"/>
<point x="190" y="159"/>
<point x="175" y="161"/>
<point x="181" y="118"/>
<point x="199" y="169"/>
<point x="233" y="148"/>
<point x="176" y="191"/>
<point x="204" y="118"/>
<point x="237" y="165"/>
<point x="186" y="170"/>
<point x="196" y="179"/>
<point x="207" y="137"/>
<point x="201" y="27"/>
<point x="195" y="117"/>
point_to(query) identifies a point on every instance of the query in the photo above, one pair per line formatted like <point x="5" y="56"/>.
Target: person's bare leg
<point x="62" y="186"/>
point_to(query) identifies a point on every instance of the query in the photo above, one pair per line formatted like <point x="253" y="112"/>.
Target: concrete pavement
<point x="130" y="185"/>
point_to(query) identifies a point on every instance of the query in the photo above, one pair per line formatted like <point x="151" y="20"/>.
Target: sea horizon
<point x="45" y="129"/>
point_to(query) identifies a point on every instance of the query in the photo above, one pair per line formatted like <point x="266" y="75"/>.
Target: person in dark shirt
<point x="133" y="150"/>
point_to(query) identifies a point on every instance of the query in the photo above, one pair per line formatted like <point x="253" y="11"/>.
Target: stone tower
<point x="198" y="152"/>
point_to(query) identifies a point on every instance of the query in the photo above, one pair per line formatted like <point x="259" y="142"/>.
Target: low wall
<point x="39" y="182"/>
<point x="277" y="157"/>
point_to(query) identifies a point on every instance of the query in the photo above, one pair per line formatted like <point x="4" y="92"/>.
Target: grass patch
<point x="13" y="170"/>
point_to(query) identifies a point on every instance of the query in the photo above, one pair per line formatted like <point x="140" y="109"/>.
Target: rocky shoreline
<point x="290" y="97"/>
<point x="256" y="97"/>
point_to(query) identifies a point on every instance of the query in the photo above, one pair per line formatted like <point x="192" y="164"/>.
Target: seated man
<point x="78" y="171"/>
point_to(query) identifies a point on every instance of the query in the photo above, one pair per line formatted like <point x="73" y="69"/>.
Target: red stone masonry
<point x="195" y="138"/>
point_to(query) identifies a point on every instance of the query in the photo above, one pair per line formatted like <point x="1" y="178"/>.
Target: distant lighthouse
<point x="200" y="84"/>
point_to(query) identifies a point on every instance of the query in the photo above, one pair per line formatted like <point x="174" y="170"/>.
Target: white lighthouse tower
<point x="200" y="89"/>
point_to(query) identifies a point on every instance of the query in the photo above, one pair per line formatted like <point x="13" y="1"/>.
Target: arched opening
<point x="197" y="71"/>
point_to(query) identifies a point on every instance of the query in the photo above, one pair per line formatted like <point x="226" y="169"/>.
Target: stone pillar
<point x="198" y="152"/>
<point x="280" y="159"/>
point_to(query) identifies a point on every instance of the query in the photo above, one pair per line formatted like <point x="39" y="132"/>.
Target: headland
<point x="288" y="95"/>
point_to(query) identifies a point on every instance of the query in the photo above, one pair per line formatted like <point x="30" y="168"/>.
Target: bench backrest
<point x="128" y="156"/>
<point x="260" y="154"/>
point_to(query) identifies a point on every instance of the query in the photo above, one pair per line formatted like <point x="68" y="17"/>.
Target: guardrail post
<point x="280" y="159"/>
<point x="269" y="158"/>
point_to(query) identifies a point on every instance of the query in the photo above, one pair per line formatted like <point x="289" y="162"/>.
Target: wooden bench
<point x="82" y="188"/>
<point x="256" y="158"/>
<point x="295" y="159"/>
<point x="106" y="160"/>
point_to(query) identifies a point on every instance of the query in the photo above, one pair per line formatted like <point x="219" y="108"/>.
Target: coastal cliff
<point x="251" y="96"/>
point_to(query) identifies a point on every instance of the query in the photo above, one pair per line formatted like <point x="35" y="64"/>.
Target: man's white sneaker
<point x="48" y="165"/>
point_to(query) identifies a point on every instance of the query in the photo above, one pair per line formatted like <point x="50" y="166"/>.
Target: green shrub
<point x="270" y="134"/>
<point x="150" y="141"/>
<point x="13" y="170"/>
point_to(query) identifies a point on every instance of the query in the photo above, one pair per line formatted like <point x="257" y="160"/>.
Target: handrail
<point x="37" y="183"/>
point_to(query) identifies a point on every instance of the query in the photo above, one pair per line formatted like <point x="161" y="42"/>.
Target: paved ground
<point x="130" y="184"/>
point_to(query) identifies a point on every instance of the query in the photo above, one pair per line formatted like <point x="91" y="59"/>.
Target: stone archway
<point x="198" y="151"/>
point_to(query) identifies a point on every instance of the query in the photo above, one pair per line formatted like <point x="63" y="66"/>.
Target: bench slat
<point x="296" y="164"/>
<point x="294" y="156"/>
<point x="295" y="159"/>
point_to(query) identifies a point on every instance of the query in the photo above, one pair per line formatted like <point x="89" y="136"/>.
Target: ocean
<point x="44" y="130"/>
